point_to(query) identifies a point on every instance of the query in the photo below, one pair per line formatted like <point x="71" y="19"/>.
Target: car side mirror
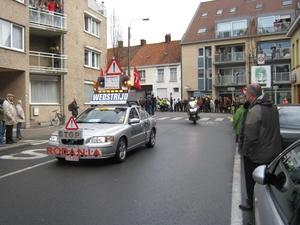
<point x="259" y="174"/>
<point x="134" y="120"/>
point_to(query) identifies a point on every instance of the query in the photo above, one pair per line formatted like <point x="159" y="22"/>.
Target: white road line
<point x="204" y="119"/>
<point x="219" y="119"/>
<point x="177" y="118"/>
<point x="236" y="213"/>
<point x="163" y="118"/>
<point x="27" y="168"/>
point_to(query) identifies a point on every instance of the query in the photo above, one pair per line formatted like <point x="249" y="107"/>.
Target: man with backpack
<point x="73" y="107"/>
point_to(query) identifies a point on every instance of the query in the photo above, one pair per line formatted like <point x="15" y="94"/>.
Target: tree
<point x="116" y="36"/>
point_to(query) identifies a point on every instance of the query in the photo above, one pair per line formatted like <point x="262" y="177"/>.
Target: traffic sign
<point x="260" y="59"/>
<point x="71" y="124"/>
<point x="114" y="68"/>
<point x="244" y="90"/>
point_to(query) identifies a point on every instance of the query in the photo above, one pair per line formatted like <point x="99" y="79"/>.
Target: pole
<point x="129" y="51"/>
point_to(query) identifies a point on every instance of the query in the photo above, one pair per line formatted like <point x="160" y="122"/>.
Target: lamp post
<point x="273" y="48"/>
<point x="145" y="19"/>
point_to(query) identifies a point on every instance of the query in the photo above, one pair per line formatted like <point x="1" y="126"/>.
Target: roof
<point x="245" y="9"/>
<point x="167" y="52"/>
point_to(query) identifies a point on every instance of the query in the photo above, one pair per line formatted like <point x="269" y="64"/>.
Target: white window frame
<point x="143" y="75"/>
<point x="160" y="75"/>
<point x="92" y="24"/>
<point x="46" y="90"/>
<point x="92" y="58"/>
<point x="8" y="36"/>
<point x="88" y="91"/>
<point x="173" y="74"/>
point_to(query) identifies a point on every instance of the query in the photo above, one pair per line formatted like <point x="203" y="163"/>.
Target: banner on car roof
<point x="109" y="98"/>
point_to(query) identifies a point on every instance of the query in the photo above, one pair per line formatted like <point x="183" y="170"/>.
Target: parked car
<point x="289" y="117"/>
<point x="277" y="189"/>
<point x="104" y="131"/>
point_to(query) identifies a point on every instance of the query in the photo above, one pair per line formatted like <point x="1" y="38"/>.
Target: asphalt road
<point x="187" y="178"/>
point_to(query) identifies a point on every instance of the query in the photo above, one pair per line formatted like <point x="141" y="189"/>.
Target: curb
<point x="14" y="145"/>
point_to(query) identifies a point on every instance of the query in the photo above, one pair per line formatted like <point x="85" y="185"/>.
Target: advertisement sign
<point x="261" y="75"/>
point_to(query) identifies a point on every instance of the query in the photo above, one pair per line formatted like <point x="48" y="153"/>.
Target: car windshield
<point x="103" y="115"/>
<point x="289" y="118"/>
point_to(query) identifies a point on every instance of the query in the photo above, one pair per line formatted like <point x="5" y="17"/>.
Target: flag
<point x="137" y="79"/>
<point x="101" y="73"/>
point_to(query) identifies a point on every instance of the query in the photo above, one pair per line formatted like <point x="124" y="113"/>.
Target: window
<point x="230" y="29"/>
<point x="205" y="14"/>
<point x="173" y="72"/>
<point x="44" y="90"/>
<point x="232" y="10"/>
<point x="259" y="5"/>
<point x="201" y="30"/>
<point x="88" y="90"/>
<point x="91" y="25"/>
<point x="160" y="73"/>
<point x="11" y="35"/>
<point x="287" y="2"/>
<point x="143" y="75"/>
<point x="91" y="59"/>
<point x="220" y="11"/>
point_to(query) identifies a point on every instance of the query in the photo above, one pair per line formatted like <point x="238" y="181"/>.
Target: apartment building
<point x="159" y="65"/>
<point x="238" y="36"/>
<point x="31" y="69"/>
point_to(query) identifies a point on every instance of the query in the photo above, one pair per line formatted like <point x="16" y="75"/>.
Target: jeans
<point x="18" y="131"/>
<point x="2" y="131"/>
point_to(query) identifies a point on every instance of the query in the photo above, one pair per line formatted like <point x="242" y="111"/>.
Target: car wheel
<point x="121" y="151"/>
<point x="195" y="121"/>
<point x="152" y="140"/>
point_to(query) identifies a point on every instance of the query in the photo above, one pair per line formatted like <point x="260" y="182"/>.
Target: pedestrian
<point x="10" y="117"/>
<point x="237" y="119"/>
<point x="262" y="139"/>
<point x="20" y="119"/>
<point x="216" y="105"/>
<point x="2" y="123"/>
<point x="74" y="108"/>
<point x="154" y="103"/>
<point x="285" y="101"/>
<point x="148" y="106"/>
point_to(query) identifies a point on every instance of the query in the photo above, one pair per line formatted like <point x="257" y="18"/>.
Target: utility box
<point x="36" y="111"/>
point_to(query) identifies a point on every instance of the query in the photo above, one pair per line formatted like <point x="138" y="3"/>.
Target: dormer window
<point x="287" y="2"/>
<point x="232" y="10"/>
<point x="202" y="30"/>
<point x="259" y="5"/>
<point x="220" y="11"/>
<point x="205" y="14"/>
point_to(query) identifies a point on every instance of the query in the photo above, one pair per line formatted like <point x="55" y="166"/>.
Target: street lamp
<point x="145" y="19"/>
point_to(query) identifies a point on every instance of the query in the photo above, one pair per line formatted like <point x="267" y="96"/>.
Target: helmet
<point x="192" y="99"/>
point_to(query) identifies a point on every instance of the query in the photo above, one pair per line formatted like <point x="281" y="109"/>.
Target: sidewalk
<point x="30" y="134"/>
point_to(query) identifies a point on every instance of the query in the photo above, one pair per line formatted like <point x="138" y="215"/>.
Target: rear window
<point x="289" y="118"/>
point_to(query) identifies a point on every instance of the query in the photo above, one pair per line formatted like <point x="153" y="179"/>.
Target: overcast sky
<point x="166" y="17"/>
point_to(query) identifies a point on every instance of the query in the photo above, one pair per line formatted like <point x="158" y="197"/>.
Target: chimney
<point x="120" y="44"/>
<point x="168" y="38"/>
<point x="143" y="42"/>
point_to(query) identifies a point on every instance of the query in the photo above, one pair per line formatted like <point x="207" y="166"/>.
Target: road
<point x="187" y="178"/>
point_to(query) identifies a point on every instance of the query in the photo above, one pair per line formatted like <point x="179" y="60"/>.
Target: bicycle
<point x="58" y="118"/>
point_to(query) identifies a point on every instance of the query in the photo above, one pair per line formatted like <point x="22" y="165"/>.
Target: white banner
<point x="261" y="75"/>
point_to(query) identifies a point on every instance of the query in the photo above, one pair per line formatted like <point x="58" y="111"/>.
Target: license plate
<point x="72" y="158"/>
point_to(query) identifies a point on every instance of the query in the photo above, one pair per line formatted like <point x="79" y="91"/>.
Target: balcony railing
<point x="284" y="77"/>
<point x="47" y="19"/>
<point x="229" y="57"/>
<point x="47" y="62"/>
<point x="284" y="26"/>
<point x="229" y="80"/>
<point x="278" y="53"/>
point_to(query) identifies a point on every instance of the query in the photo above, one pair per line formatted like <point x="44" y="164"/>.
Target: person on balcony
<point x="276" y="25"/>
<point x="57" y="57"/>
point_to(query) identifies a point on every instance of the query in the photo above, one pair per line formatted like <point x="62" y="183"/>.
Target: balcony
<point x="229" y="57"/>
<point x="47" y="20"/>
<point x="282" y="27"/>
<point x="278" y="54"/>
<point x="282" y="78"/>
<point x="229" y="80"/>
<point x="230" y="33"/>
<point x="47" y="63"/>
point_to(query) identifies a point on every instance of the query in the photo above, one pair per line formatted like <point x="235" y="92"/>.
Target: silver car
<point x="104" y="132"/>
<point x="277" y="189"/>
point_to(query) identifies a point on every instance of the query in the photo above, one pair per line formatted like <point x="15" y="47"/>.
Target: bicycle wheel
<point x="54" y="120"/>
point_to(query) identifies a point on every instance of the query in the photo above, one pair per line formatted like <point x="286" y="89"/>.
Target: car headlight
<point x="53" y="138"/>
<point x="102" y="139"/>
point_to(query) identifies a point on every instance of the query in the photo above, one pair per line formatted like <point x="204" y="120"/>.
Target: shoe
<point x="246" y="207"/>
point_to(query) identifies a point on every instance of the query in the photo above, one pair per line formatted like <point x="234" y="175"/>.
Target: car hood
<point x="97" y="129"/>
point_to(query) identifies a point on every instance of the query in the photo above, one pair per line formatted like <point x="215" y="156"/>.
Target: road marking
<point x="204" y="119"/>
<point x="26" y="155"/>
<point x="36" y="142"/>
<point x="176" y="118"/>
<point x="27" y="168"/>
<point x="219" y="119"/>
<point x="163" y="118"/>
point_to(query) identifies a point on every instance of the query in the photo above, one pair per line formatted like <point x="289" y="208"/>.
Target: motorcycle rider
<point x="192" y="104"/>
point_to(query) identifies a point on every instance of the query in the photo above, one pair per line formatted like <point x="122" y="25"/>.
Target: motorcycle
<point x="193" y="111"/>
<point x="166" y="107"/>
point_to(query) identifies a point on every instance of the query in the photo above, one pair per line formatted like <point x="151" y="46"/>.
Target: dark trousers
<point x="249" y="167"/>
<point x="9" y="133"/>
